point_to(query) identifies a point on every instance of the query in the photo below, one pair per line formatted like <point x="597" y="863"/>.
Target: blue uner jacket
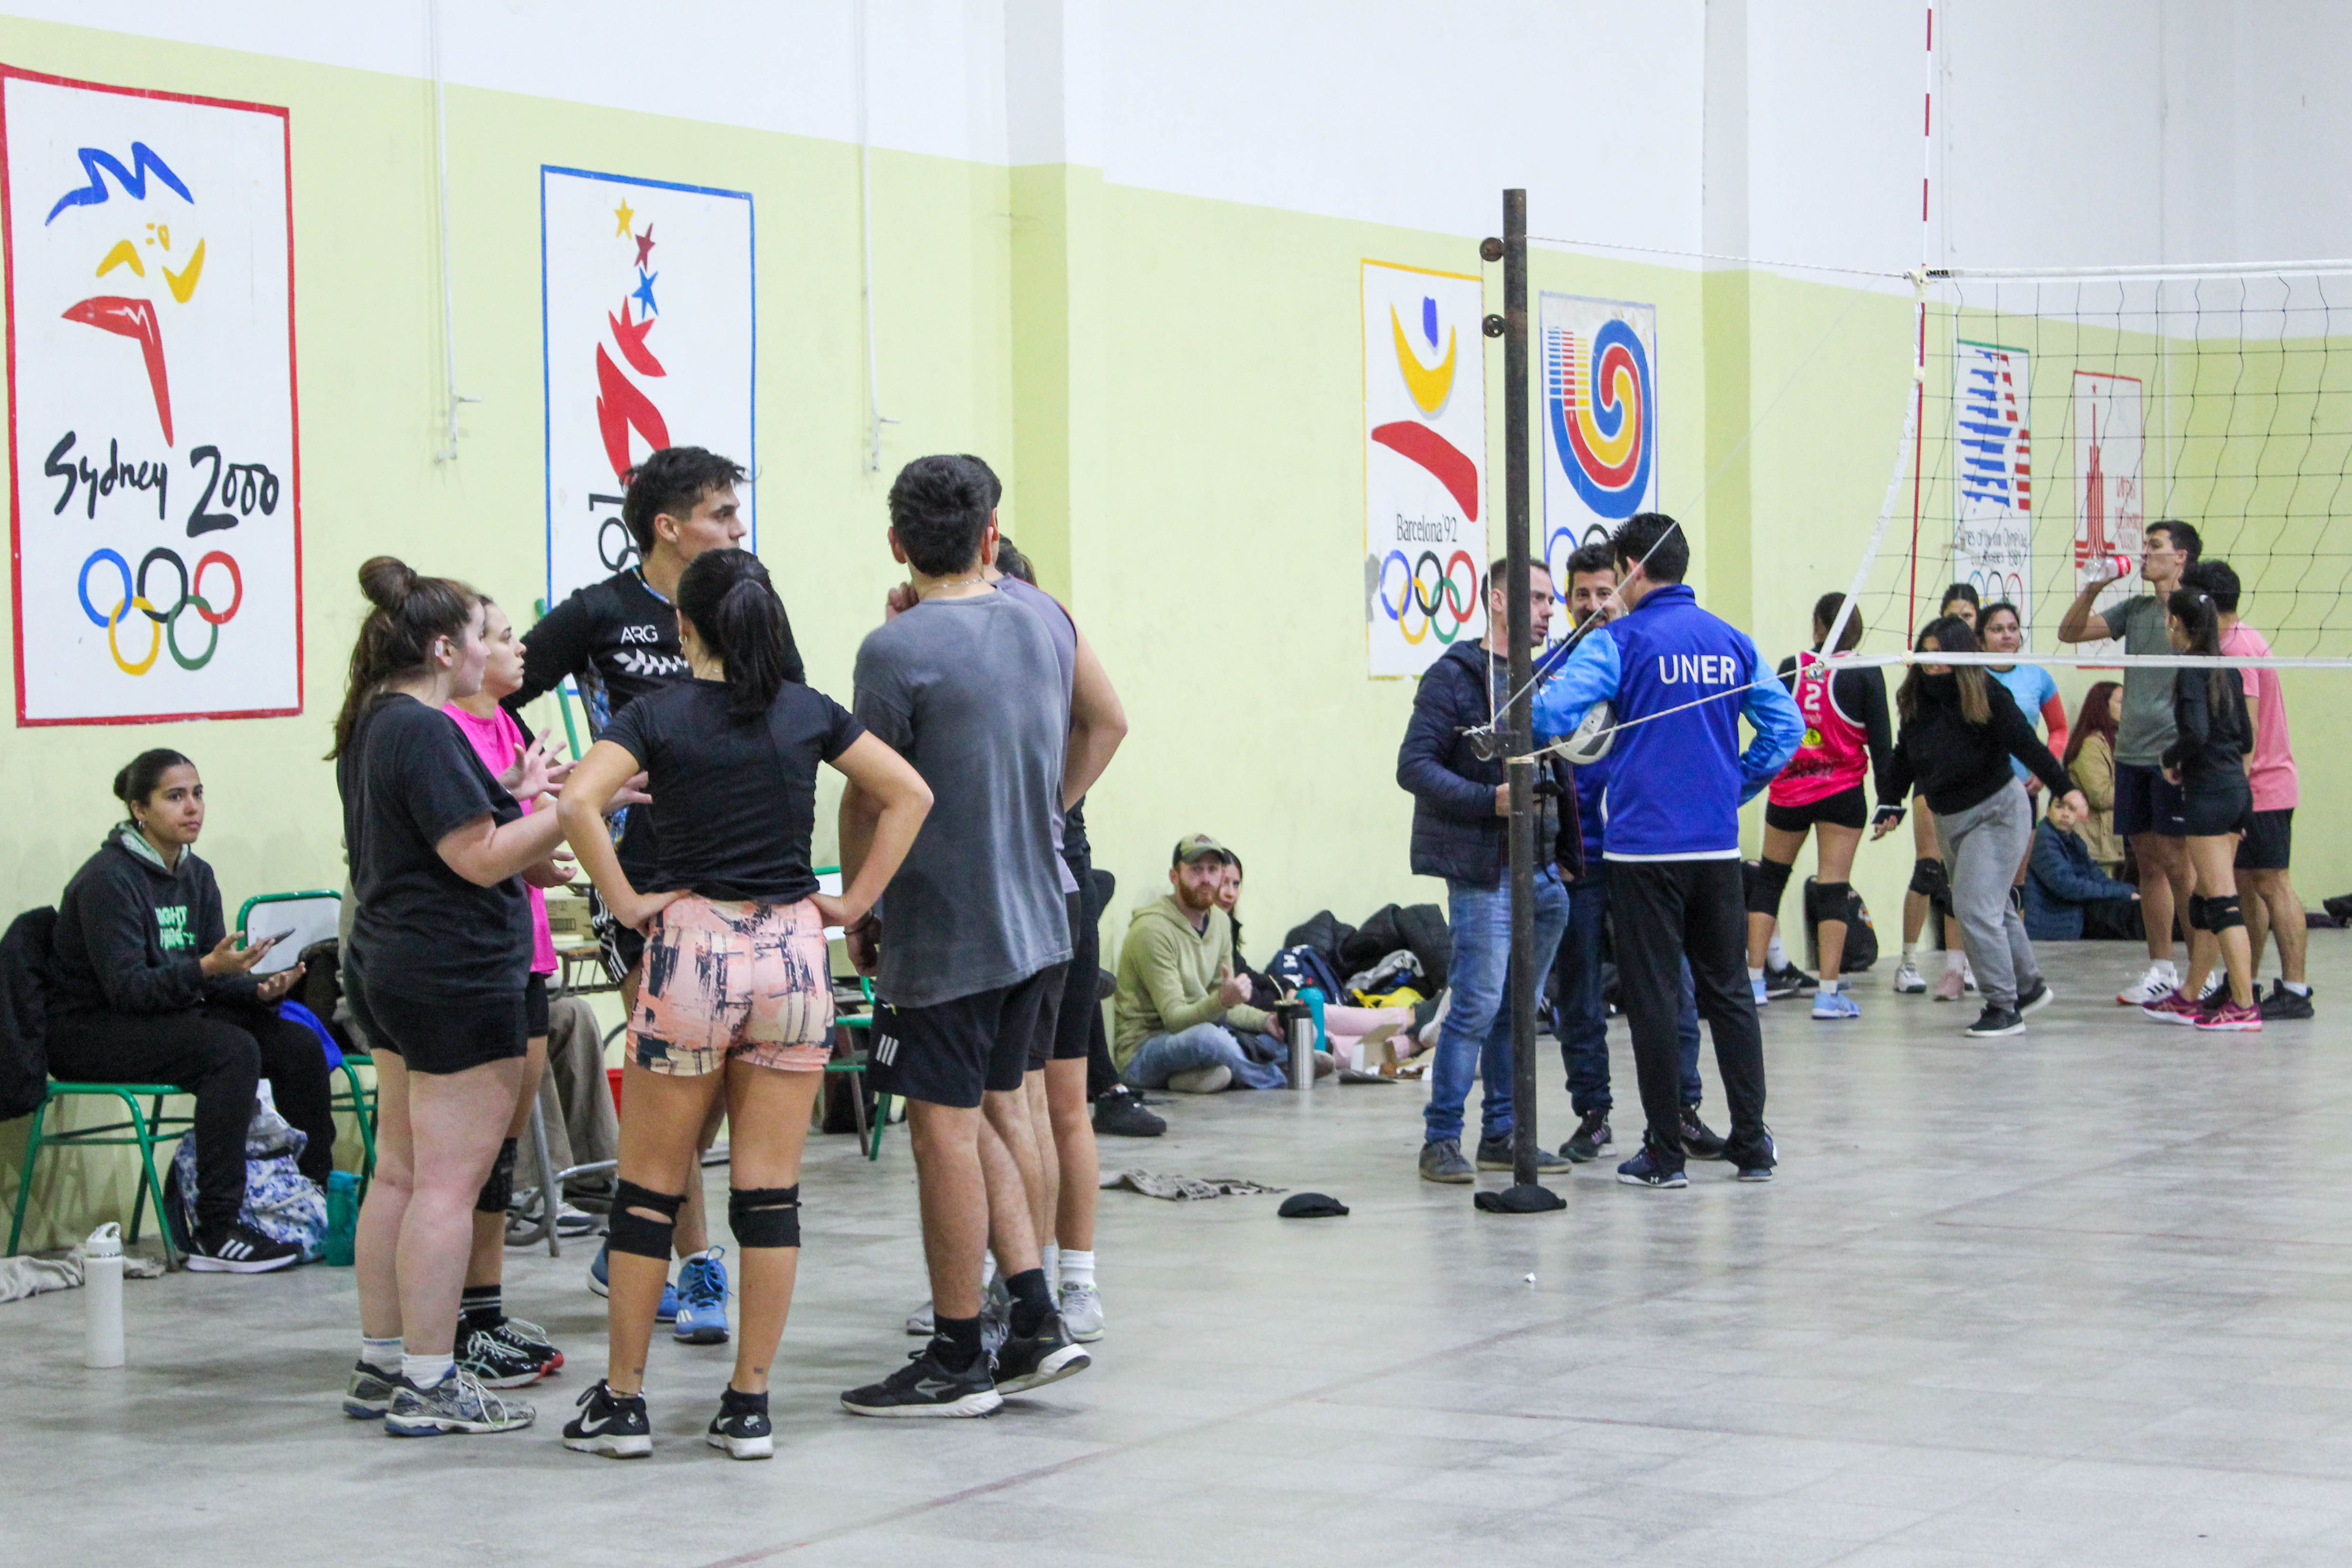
<point x="1675" y="783"/>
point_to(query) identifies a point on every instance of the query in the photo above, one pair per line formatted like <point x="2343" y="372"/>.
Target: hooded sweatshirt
<point x="132" y="935"/>
<point x="1168" y="977"/>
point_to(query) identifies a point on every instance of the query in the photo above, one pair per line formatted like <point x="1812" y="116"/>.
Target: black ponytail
<point x="140" y="777"/>
<point x="410" y="614"/>
<point x="728" y="596"/>
<point x="2201" y="620"/>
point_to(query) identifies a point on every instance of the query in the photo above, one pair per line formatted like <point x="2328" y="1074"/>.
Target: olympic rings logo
<point x="1444" y="604"/>
<point x="164" y="628"/>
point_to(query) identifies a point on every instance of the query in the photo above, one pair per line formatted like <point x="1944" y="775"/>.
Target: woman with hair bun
<point x="435" y="971"/>
<point x="737" y="997"/>
<point x="149" y="986"/>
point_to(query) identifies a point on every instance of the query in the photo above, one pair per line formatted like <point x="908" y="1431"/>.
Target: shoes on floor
<point x="1755" y="1162"/>
<point x="1591" y="1137"/>
<point x="235" y="1248"/>
<point x="925" y="1387"/>
<point x="459" y="1403"/>
<point x="369" y="1394"/>
<point x="1033" y="1361"/>
<point x="613" y="1425"/>
<point x="2173" y="1007"/>
<point x="1908" y="981"/>
<point x="1647" y="1170"/>
<point x="1761" y="989"/>
<point x="1788" y="981"/>
<point x="1495" y="1155"/>
<point x="600" y="1281"/>
<point x="1949" y="985"/>
<point x="2283" y="1004"/>
<point x="1082" y="1312"/>
<point x="2036" y="999"/>
<point x="702" y="1299"/>
<point x="2216" y="983"/>
<point x="1996" y="1021"/>
<point x="2233" y="1018"/>
<point x="530" y="1338"/>
<point x="1835" y="1005"/>
<point x="1202" y="1081"/>
<point x="1120" y="1113"/>
<point x="1700" y="1142"/>
<point x="1441" y="1161"/>
<point x="1424" y="1035"/>
<point x="496" y="1363"/>
<point x="2160" y="979"/>
<point x="741" y="1426"/>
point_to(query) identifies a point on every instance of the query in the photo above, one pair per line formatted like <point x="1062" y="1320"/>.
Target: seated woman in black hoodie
<point x="148" y="986"/>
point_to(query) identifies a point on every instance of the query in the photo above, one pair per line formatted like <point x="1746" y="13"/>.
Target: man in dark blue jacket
<point x="1460" y="820"/>
<point x="1677" y="779"/>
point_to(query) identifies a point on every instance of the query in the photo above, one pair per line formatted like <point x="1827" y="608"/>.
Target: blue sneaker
<point x="702" y="1299"/>
<point x="600" y="1279"/>
<point x="1755" y="984"/>
<point x="1646" y="1170"/>
<point x="1836" y="1004"/>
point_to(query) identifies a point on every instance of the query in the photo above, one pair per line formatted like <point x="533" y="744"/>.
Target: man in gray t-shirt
<point x="2147" y="805"/>
<point x="973" y="932"/>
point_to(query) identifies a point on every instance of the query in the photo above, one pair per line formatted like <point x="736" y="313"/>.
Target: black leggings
<point x="215" y="1052"/>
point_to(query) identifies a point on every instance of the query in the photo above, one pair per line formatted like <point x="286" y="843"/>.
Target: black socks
<point x="481" y="1306"/>
<point x="1033" y="1301"/>
<point x="955" y="1341"/>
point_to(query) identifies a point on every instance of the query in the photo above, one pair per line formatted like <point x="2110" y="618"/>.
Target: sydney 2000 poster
<point x="156" y="498"/>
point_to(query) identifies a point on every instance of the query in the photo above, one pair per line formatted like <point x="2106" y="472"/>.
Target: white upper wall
<point x="2097" y="132"/>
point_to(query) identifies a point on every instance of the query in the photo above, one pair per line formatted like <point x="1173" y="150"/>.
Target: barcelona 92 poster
<point x="1597" y="363"/>
<point x="155" y="508"/>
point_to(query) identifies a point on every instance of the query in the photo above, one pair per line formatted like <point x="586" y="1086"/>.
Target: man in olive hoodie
<point x="1182" y="1011"/>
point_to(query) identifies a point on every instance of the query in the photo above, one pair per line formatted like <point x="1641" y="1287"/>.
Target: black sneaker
<point x="925" y="1387"/>
<point x="531" y="1340"/>
<point x="1495" y="1154"/>
<point x="495" y="1362"/>
<point x="1995" y="1021"/>
<point x="1649" y="1169"/>
<point x="1591" y="1137"/>
<point x="741" y="1426"/>
<point x="1700" y="1142"/>
<point x="1789" y="981"/>
<point x="2282" y="1003"/>
<point x="2033" y="1001"/>
<point x="369" y="1394"/>
<point x="613" y="1425"/>
<point x="1754" y="1161"/>
<point x="234" y="1250"/>
<point x="1035" y="1359"/>
<point x="1121" y="1114"/>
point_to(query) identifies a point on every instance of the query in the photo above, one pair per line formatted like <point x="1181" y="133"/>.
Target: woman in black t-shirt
<point x="2212" y="734"/>
<point x="435" y="972"/>
<point x="738" y="992"/>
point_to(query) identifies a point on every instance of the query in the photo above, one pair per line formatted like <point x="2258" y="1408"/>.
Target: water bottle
<point x="1304" y="1033"/>
<point x="101" y="1279"/>
<point x="339" y="1247"/>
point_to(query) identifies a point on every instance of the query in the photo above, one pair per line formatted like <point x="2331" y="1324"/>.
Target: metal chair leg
<point x="145" y="1132"/>
<point x="25" y="1175"/>
<point x="551" y="1191"/>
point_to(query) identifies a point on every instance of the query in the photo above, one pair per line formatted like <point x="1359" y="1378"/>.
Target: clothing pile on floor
<point x="1397" y="957"/>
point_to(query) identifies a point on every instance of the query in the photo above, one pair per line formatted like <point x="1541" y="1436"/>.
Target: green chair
<point x="359" y="1098"/>
<point x="144" y="1132"/>
<point x="861" y="1030"/>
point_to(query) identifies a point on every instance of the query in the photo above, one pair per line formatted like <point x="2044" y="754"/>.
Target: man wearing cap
<point x="1183" y="1014"/>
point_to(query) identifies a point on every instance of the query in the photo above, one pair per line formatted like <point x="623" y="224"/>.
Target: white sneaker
<point x="1202" y="1081"/>
<point x="1082" y="1312"/>
<point x="2160" y="981"/>
<point x="1908" y="981"/>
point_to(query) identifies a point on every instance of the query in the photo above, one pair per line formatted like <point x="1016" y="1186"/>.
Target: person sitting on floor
<point x="1184" y="1021"/>
<point x="149" y="986"/>
<point x="2063" y="887"/>
<point x="1344" y="1028"/>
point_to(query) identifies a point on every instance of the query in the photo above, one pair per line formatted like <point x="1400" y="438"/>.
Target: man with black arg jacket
<point x="1461" y="821"/>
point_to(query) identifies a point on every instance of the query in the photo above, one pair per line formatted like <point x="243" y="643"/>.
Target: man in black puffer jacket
<point x="1461" y="821"/>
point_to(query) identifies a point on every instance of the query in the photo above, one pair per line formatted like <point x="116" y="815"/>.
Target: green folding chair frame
<point x="142" y="1130"/>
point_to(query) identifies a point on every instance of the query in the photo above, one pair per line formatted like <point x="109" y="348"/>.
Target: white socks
<point x="1077" y="1268"/>
<point x="1754" y="975"/>
<point x="425" y="1371"/>
<point x="1829" y="987"/>
<point x="2296" y="987"/>
<point x="1050" y="1260"/>
<point x="384" y="1356"/>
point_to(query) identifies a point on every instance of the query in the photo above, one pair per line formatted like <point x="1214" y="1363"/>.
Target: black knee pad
<point x="1828" y="901"/>
<point x="2223" y="913"/>
<point x="1929" y="880"/>
<point x="499" y="1191"/>
<point x="2201" y="910"/>
<point x="1766" y="881"/>
<point x="764" y="1216"/>
<point x="637" y="1235"/>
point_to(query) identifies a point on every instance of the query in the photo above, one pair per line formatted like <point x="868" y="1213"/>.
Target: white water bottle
<point x="101" y="1279"/>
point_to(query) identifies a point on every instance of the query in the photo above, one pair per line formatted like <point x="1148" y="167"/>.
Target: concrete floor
<point x="2078" y="1297"/>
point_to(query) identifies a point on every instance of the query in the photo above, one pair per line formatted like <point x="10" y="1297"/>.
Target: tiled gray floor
<point x="2078" y="1297"/>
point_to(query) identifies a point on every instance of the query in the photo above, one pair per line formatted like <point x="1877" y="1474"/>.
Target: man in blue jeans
<point x="1460" y="820"/>
<point x="1583" y="1011"/>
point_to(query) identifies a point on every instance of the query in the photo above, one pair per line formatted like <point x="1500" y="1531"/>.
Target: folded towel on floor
<point x="1181" y="1188"/>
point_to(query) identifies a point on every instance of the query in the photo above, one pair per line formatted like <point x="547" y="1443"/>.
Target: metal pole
<point x="1522" y="717"/>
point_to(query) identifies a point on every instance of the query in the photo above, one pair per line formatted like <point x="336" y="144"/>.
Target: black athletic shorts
<point x="534" y="1006"/>
<point x="1073" y="1029"/>
<point x="2147" y="802"/>
<point x="2209" y="813"/>
<point x="434" y="1034"/>
<point x="947" y="1053"/>
<point x="2269" y="843"/>
<point x="1847" y="808"/>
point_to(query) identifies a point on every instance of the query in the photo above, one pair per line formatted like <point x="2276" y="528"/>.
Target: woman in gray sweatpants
<point x="1961" y="727"/>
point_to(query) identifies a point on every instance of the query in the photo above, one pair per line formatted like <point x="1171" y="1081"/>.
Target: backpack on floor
<point x="281" y="1201"/>
<point x="1295" y="968"/>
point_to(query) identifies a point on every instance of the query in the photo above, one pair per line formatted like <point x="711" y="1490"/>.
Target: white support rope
<point x="2091" y="661"/>
<point x="2158" y="271"/>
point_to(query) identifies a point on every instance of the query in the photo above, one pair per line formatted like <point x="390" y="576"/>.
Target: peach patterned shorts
<point x="734" y="982"/>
